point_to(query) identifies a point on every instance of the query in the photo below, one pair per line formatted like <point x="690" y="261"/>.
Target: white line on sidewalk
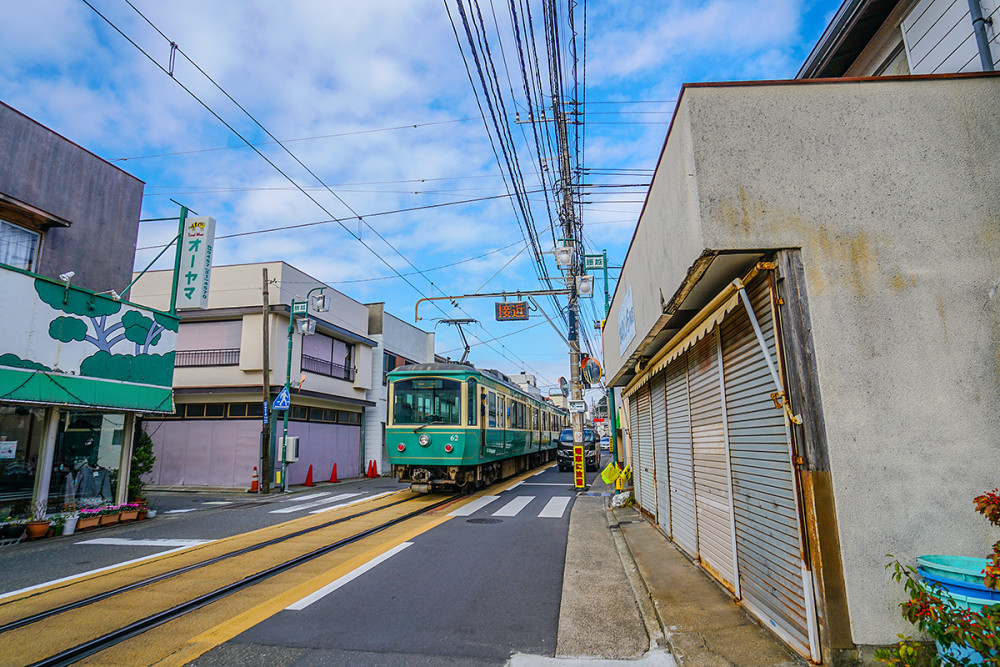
<point x="124" y="542"/>
<point x="315" y="503"/>
<point x="555" y="508"/>
<point x="347" y="578"/>
<point x="353" y="502"/>
<point x="514" y="506"/>
<point x="474" y="506"/>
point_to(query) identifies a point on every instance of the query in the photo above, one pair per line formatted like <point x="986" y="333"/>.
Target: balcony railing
<point x="328" y="368"/>
<point x="207" y="357"/>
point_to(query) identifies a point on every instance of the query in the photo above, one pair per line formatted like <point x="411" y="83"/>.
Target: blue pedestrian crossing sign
<point x="283" y="400"/>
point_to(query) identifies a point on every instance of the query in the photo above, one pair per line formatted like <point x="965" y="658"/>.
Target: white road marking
<point x="540" y="472"/>
<point x="347" y="578"/>
<point x="315" y="503"/>
<point x="514" y="506"/>
<point x="353" y="502"/>
<point x="218" y="502"/>
<point x="474" y="506"/>
<point x="121" y="541"/>
<point x="516" y="485"/>
<point x="311" y="496"/>
<point x="191" y="509"/>
<point x="566" y="484"/>
<point x="90" y="572"/>
<point x="555" y="508"/>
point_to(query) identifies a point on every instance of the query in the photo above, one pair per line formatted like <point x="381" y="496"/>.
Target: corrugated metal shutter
<point x="683" y="515"/>
<point x="645" y="474"/>
<point x="658" y="408"/>
<point x="711" y="465"/>
<point x="764" y="490"/>
<point x="633" y="429"/>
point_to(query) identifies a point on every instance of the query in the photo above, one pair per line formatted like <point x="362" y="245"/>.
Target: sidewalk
<point x="630" y="596"/>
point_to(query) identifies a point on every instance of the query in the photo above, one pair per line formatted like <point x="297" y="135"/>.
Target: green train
<point x="454" y="427"/>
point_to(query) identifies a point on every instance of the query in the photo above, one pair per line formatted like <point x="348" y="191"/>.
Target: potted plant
<point x="11" y="532"/>
<point x="129" y="512"/>
<point x="109" y="514"/>
<point x="142" y="464"/>
<point x="89" y="518"/>
<point x="963" y="626"/>
<point x="38" y="523"/>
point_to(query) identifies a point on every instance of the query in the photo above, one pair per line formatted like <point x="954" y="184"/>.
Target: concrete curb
<point x="643" y="599"/>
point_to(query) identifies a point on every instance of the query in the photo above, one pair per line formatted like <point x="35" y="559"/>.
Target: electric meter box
<point x="291" y="450"/>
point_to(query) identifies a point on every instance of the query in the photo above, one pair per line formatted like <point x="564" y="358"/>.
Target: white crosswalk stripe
<point x="514" y="506"/>
<point x="311" y="496"/>
<point x="555" y="508"/>
<point x="315" y="503"/>
<point x="474" y="506"/>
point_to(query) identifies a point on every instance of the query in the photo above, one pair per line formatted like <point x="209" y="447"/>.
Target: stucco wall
<point x="889" y="188"/>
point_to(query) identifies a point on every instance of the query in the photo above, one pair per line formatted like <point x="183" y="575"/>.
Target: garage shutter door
<point x="764" y="492"/>
<point x="645" y="474"/>
<point x="711" y="467"/>
<point x="683" y="515"/>
<point x="658" y="408"/>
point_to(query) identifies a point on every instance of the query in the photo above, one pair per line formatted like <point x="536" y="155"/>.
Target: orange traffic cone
<point x="333" y="475"/>
<point x="254" y="482"/>
<point x="372" y="472"/>
<point x="309" y="477"/>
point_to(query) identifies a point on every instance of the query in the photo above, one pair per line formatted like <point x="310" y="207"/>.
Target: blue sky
<point x="374" y="99"/>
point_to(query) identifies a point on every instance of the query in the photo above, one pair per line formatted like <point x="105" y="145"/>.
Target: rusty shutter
<point x="711" y="463"/>
<point x="683" y="514"/>
<point x="658" y="411"/>
<point x="765" y="496"/>
<point x="645" y="475"/>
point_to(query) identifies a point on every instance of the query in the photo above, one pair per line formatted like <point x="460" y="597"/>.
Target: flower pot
<point x="70" y="526"/>
<point x="142" y="514"/>
<point x="36" y="529"/>
<point x="86" y="522"/>
<point x="108" y="519"/>
<point x="129" y="515"/>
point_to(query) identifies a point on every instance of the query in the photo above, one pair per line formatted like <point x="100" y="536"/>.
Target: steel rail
<point x="98" y="644"/>
<point x="98" y="597"/>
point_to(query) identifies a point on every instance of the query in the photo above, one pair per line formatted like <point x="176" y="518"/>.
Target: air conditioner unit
<point x="291" y="449"/>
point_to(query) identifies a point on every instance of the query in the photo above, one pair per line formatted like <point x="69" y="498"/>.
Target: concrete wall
<point x="889" y="189"/>
<point x="66" y="183"/>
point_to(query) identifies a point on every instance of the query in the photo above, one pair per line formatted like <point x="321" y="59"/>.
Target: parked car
<point x="606" y="443"/>
<point x="591" y="453"/>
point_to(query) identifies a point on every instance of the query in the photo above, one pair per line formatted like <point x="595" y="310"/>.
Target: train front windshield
<point x="425" y="401"/>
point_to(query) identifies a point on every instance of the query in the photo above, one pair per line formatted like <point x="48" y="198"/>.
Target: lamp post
<point x="320" y="304"/>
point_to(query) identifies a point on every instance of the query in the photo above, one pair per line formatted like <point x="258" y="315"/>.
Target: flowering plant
<point x="940" y="617"/>
<point x="89" y="512"/>
<point x="109" y="509"/>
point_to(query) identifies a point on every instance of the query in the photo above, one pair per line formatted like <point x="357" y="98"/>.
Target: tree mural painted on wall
<point x="94" y="323"/>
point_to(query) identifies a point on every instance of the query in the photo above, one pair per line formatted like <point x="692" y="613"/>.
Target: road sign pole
<point x="288" y="384"/>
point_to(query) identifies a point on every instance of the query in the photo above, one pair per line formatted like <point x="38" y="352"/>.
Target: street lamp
<point x="305" y="326"/>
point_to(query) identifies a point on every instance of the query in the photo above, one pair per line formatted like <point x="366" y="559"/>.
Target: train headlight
<point x="424" y="440"/>
<point x="400" y="446"/>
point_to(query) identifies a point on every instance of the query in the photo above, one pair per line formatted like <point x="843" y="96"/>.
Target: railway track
<point x="86" y="620"/>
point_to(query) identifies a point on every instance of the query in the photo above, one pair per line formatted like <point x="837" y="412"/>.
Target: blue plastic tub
<point x="963" y="654"/>
<point x="961" y="587"/>
<point x="960" y="568"/>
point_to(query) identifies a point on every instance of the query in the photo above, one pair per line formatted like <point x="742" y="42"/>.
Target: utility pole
<point x="265" y="444"/>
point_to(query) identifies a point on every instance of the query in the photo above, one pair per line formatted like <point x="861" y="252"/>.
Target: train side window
<point x="492" y="403"/>
<point x="470" y="401"/>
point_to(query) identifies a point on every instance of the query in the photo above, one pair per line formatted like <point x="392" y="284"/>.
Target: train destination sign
<point x="512" y="310"/>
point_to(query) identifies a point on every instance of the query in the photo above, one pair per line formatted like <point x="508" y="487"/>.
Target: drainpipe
<point x="979" y="29"/>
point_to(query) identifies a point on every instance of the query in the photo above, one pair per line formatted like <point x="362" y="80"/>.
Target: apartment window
<point x="353" y="418"/>
<point x="18" y="246"/>
<point x="327" y="356"/>
<point x="209" y="343"/>
<point x="299" y="413"/>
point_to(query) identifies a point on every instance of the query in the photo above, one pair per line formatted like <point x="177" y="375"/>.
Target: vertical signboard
<point x="578" y="467"/>
<point x="196" y="263"/>
<point x="626" y="323"/>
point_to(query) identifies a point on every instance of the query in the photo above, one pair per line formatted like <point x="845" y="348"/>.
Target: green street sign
<point x="593" y="261"/>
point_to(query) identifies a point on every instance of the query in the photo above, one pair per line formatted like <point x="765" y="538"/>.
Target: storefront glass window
<point x="20" y="441"/>
<point x="88" y="453"/>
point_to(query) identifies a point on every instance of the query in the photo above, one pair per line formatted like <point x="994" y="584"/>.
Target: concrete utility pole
<point x="265" y="443"/>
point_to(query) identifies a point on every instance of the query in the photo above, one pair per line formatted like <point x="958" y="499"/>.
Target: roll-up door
<point x="764" y="491"/>
<point x="658" y="411"/>
<point x="683" y="514"/>
<point x="711" y="464"/>
<point x="646" y="474"/>
<point x="633" y="428"/>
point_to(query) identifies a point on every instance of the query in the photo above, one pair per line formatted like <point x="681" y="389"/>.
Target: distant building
<point x="214" y="437"/>
<point x="77" y="363"/>
<point x="398" y="344"/>
<point x="810" y="378"/>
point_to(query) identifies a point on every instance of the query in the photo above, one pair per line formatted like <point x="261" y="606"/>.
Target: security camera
<point x="66" y="277"/>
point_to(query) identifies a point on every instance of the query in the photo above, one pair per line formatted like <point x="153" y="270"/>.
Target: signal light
<point x="448" y="448"/>
<point x="400" y="446"/>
